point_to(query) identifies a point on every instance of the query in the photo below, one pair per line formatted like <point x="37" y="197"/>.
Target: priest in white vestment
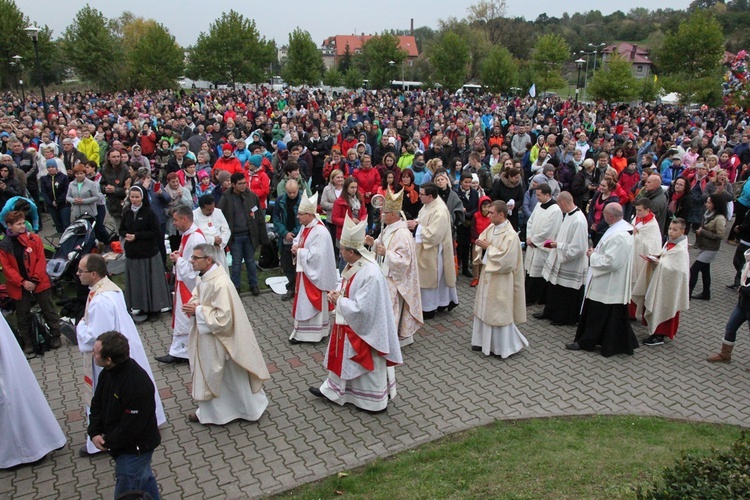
<point x="316" y="274"/>
<point x="28" y="427"/>
<point x="106" y="311"/>
<point x="228" y="369"/>
<point x="214" y="226"/>
<point x="397" y="256"/>
<point x="434" y="238"/>
<point x="662" y="288"/>
<point x="604" y="317"/>
<point x="185" y="278"/>
<point x="500" y="303"/>
<point x="565" y="268"/>
<point x="541" y="228"/>
<point x="363" y="349"/>
<point x="646" y="241"/>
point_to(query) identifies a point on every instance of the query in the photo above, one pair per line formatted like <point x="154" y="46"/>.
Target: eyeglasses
<point x="194" y="257"/>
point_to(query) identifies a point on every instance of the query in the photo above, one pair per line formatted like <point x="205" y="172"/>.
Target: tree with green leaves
<point x="231" y="52"/>
<point x="353" y="78"/>
<point x="93" y="50"/>
<point x="648" y="89"/>
<point x="614" y="82"/>
<point x="333" y="77"/>
<point x="476" y="38"/>
<point x="550" y="52"/>
<point x="450" y="57"/>
<point x="346" y="60"/>
<point x="382" y="57"/>
<point x="499" y="71"/>
<point x="14" y="41"/>
<point x="486" y="13"/>
<point x="690" y="57"/>
<point x="304" y="62"/>
<point x="155" y="61"/>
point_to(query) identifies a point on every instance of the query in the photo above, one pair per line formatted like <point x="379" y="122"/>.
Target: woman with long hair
<point x="411" y="204"/>
<point x="708" y="240"/>
<point x="680" y="201"/>
<point x="603" y="197"/>
<point x="331" y="193"/>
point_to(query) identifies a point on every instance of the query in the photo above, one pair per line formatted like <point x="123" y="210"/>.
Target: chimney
<point x="411" y="30"/>
<point x="632" y="52"/>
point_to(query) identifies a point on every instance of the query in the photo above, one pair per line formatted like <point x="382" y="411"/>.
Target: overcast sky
<point x="185" y="19"/>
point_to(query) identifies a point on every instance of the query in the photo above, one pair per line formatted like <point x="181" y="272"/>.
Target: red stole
<point x="363" y="351"/>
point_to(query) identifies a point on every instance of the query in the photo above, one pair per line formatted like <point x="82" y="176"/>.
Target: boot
<point x="725" y="356"/>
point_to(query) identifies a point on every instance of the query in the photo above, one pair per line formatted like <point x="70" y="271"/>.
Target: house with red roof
<point x="334" y="47"/>
<point x="637" y="56"/>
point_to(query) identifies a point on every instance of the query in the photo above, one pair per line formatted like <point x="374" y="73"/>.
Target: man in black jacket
<point x="123" y="415"/>
<point x="241" y="208"/>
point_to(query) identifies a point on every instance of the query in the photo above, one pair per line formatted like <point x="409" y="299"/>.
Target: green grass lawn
<point x="587" y="457"/>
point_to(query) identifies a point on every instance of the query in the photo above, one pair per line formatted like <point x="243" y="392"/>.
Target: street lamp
<point x="596" y="49"/>
<point x="17" y="63"/>
<point x="33" y="32"/>
<point x="579" y="63"/>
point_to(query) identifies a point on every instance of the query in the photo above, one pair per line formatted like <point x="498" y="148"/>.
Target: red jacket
<point x="368" y="182"/>
<point x="628" y="181"/>
<point x="347" y="145"/>
<point x="259" y="184"/>
<point x="231" y="165"/>
<point x="148" y="143"/>
<point x="34" y="262"/>
<point x="340" y="209"/>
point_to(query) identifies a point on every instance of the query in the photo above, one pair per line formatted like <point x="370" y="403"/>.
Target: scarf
<point x="418" y="166"/>
<point x="707" y="216"/>
<point x="175" y="194"/>
<point x="411" y="192"/>
<point x="644" y="220"/>
<point x="674" y="201"/>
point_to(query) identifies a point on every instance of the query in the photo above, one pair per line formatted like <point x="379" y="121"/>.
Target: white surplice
<point x="106" y="311"/>
<point x="28" y="427"/>
<point x="184" y="284"/>
<point x="212" y="226"/>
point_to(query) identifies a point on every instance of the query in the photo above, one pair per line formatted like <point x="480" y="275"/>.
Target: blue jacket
<point x="279" y="217"/>
<point x="11" y="203"/>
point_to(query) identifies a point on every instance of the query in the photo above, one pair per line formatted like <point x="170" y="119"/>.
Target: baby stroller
<point x="77" y="241"/>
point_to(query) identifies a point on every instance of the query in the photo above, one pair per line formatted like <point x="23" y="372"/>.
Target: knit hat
<point x="227" y="147"/>
<point x="280" y="146"/>
<point x="203" y="174"/>
<point x="51" y="163"/>
<point x="256" y="160"/>
<point x="548" y="168"/>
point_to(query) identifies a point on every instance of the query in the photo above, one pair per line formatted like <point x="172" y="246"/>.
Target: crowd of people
<point x="374" y="203"/>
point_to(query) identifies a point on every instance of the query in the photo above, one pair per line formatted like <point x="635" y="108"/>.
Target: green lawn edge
<point x="556" y="457"/>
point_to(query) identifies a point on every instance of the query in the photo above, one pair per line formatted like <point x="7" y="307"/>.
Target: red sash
<point x="363" y="351"/>
<point x="180" y="287"/>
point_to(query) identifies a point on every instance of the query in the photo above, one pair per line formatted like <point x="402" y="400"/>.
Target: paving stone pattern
<point x="443" y="387"/>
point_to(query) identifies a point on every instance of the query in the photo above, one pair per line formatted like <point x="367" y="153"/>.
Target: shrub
<point x="718" y="475"/>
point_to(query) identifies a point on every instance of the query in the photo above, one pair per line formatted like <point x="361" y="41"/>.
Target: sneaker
<point x="654" y="340"/>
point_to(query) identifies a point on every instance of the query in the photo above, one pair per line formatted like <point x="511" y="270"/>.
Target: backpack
<point x="40" y="336"/>
<point x="269" y="255"/>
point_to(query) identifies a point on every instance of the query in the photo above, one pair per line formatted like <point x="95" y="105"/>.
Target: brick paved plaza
<point x="443" y="387"/>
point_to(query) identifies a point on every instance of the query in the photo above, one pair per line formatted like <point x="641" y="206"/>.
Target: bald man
<point x="604" y="319"/>
<point x="653" y="191"/>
